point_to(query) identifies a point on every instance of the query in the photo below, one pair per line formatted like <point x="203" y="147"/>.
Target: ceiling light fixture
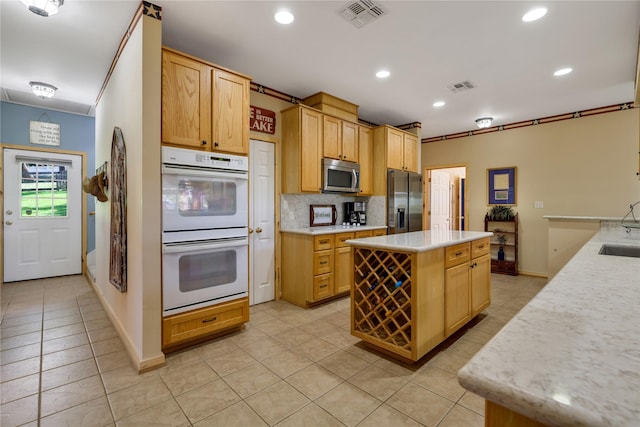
<point x="563" y="71"/>
<point x="438" y="104"/>
<point x="534" y="14"/>
<point x="383" y="74"/>
<point x="283" y="17"/>
<point x="43" y="7"/>
<point x="43" y="90"/>
<point x="484" y="122"/>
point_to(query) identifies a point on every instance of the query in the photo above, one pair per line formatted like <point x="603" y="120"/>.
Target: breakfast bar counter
<point x="571" y="357"/>
<point x="412" y="290"/>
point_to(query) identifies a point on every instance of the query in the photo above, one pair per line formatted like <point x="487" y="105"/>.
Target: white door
<point x="42" y="214"/>
<point x="262" y="222"/>
<point x="439" y="198"/>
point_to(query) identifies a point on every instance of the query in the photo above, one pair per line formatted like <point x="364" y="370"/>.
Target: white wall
<point x="132" y="102"/>
<point x="584" y="166"/>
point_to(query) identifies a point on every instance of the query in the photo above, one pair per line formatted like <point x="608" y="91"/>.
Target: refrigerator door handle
<point x="400" y="221"/>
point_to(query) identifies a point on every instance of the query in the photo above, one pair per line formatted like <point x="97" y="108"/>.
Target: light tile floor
<point x="62" y="363"/>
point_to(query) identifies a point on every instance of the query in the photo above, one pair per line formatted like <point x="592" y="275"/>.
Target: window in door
<point x="43" y="189"/>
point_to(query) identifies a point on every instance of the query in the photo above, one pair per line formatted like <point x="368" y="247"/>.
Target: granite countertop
<point x="571" y="357"/>
<point x="332" y="229"/>
<point x="419" y="241"/>
<point x="582" y="218"/>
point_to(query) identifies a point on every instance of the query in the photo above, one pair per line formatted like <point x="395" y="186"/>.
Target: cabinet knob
<point x="204" y="142"/>
<point x="215" y="144"/>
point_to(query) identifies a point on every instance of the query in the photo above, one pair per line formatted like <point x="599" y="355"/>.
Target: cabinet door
<point x="186" y="102"/>
<point x="365" y="159"/>
<point x="350" y="142"/>
<point x="457" y="301"/>
<point x="343" y="275"/>
<point x="230" y="115"/>
<point x="332" y="137"/>
<point x="480" y="284"/>
<point x="395" y="149"/>
<point x="311" y="150"/>
<point x="410" y="152"/>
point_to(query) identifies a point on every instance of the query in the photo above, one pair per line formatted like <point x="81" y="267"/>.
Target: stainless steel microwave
<point x="340" y="177"/>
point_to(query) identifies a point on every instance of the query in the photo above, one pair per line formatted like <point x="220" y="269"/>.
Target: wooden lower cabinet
<point x="192" y="325"/>
<point x="405" y="304"/>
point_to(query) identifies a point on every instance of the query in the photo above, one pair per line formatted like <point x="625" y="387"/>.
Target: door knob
<point x="258" y="230"/>
<point x="250" y="230"/>
<point x="8" y="222"/>
<point x="9" y="212"/>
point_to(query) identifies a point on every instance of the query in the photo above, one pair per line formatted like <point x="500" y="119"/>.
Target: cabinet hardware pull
<point x="323" y="262"/>
<point x="204" y="142"/>
<point x="458" y="253"/>
<point x="481" y="247"/>
<point x="210" y="320"/>
<point x="324" y="241"/>
<point x="216" y="144"/>
<point x="324" y="286"/>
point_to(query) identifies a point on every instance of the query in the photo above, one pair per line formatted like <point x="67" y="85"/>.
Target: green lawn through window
<point x="43" y="203"/>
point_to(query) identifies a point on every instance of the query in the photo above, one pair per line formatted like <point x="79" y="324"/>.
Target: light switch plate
<point x="538" y="204"/>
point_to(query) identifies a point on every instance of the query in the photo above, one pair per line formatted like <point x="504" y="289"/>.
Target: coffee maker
<point x="355" y="213"/>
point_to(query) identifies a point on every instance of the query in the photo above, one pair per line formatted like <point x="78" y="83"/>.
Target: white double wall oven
<point x="205" y="198"/>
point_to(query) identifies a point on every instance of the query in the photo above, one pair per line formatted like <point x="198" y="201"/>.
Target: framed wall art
<point x="322" y="215"/>
<point x="501" y="186"/>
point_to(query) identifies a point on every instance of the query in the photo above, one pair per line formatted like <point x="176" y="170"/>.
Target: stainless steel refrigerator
<point x="404" y="201"/>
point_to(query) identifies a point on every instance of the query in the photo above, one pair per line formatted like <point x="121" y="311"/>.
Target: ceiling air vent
<point x="459" y="87"/>
<point x="360" y="13"/>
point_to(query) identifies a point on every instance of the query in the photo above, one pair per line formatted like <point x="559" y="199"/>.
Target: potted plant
<point x="502" y="240"/>
<point x="501" y="213"/>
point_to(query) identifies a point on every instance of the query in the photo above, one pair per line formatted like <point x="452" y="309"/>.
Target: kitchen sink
<point x="620" y="250"/>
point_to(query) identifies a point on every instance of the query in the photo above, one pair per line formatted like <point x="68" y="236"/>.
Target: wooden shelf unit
<point x="509" y="229"/>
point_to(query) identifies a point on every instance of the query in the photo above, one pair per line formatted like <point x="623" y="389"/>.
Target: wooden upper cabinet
<point x="203" y="106"/>
<point x="301" y="149"/>
<point x="340" y="139"/>
<point x="230" y="113"/>
<point x="186" y="101"/>
<point x="311" y="145"/>
<point x="332" y="137"/>
<point x="395" y="149"/>
<point x="365" y="158"/>
<point x="410" y="152"/>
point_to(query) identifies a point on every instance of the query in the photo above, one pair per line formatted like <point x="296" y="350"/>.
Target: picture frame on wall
<point x="501" y="186"/>
<point x="322" y="215"/>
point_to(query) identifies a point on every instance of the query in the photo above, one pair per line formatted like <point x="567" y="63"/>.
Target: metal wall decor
<point x="118" y="241"/>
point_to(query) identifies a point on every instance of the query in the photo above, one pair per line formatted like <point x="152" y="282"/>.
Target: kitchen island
<point x="412" y="290"/>
<point x="571" y="357"/>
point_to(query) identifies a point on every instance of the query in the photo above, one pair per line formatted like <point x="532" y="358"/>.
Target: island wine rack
<point x="389" y="299"/>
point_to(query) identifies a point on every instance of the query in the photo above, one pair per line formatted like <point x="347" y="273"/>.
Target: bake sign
<point x="44" y="133"/>
<point x="262" y="120"/>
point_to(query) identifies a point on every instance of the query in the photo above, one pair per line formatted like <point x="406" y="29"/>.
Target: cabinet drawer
<point x="342" y="237"/>
<point x="322" y="286"/>
<point x="322" y="262"/>
<point x="364" y="233"/>
<point x="185" y="326"/>
<point x="479" y="247"/>
<point x="456" y="254"/>
<point x="380" y="232"/>
<point x="322" y="243"/>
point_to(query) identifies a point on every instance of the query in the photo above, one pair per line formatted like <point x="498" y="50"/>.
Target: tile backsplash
<point x="294" y="208"/>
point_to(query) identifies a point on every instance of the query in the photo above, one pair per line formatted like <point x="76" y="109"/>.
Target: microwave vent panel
<point x="362" y="12"/>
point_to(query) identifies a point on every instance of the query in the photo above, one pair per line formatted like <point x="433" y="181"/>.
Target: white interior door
<point x="262" y="222"/>
<point x="440" y="200"/>
<point x="42" y="214"/>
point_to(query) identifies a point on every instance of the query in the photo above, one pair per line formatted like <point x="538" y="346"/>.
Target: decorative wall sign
<point x="44" y="133"/>
<point x="118" y="241"/>
<point x="322" y="215"/>
<point x="501" y="185"/>
<point x="262" y="120"/>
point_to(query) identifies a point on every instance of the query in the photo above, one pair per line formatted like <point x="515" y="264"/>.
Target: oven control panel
<point x="205" y="159"/>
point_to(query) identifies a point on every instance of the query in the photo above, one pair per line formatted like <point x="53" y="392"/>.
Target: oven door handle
<point x="212" y="173"/>
<point x="174" y="248"/>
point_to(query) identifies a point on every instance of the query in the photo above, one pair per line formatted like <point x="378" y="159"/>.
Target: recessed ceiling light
<point x="383" y="74"/>
<point x="563" y="71"/>
<point x="534" y="14"/>
<point x="439" y="104"/>
<point x="283" y="17"/>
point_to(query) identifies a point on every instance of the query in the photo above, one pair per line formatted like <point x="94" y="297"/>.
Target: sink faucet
<point x="635" y="223"/>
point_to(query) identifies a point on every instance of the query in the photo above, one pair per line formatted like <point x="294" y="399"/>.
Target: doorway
<point x="445" y="197"/>
<point x="261" y="222"/>
<point x="42" y="229"/>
